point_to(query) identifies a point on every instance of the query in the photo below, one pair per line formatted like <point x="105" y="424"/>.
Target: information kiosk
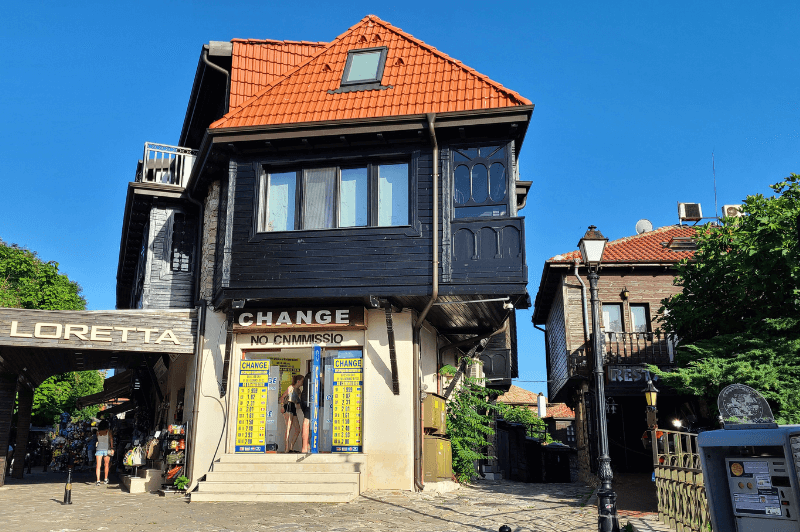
<point x="751" y="467"/>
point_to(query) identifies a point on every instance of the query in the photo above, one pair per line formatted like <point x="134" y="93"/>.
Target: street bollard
<point x="505" y="528"/>
<point x="68" y="487"/>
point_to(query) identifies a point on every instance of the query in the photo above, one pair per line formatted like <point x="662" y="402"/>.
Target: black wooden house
<point x="362" y="196"/>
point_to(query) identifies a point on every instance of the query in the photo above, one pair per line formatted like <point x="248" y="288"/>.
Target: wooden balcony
<point x="625" y="349"/>
<point x="490" y="250"/>
<point x="168" y="165"/>
<point x="639" y="348"/>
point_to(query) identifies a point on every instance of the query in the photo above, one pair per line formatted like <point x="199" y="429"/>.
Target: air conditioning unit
<point x="732" y="211"/>
<point x="690" y="212"/>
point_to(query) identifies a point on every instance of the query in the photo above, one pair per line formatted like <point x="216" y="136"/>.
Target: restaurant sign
<point x="161" y="331"/>
<point x="304" y="319"/>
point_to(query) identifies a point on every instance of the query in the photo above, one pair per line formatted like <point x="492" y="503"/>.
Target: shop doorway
<point x="259" y="418"/>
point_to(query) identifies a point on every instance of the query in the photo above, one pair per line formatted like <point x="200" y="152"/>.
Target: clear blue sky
<point x="631" y="100"/>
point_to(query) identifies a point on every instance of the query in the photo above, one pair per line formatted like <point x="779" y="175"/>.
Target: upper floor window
<point x="480" y="181"/>
<point x="333" y="197"/>
<point x="640" y="318"/>
<point x="612" y="317"/>
<point x="182" y="243"/>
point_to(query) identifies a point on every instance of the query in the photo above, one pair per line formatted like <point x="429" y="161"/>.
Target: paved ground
<point x="34" y="504"/>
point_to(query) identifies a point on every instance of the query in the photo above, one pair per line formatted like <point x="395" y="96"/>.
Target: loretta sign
<point x="163" y="331"/>
<point x="306" y="319"/>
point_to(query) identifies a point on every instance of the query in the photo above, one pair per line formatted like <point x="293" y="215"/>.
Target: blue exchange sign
<point x="313" y="398"/>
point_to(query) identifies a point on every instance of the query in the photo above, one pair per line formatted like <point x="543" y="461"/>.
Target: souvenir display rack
<point x="174" y="453"/>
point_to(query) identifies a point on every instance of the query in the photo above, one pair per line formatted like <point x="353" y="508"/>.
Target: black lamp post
<point x="651" y="395"/>
<point x="592" y="246"/>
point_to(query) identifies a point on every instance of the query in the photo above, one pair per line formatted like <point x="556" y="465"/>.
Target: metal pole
<point x="68" y="487"/>
<point x="607" y="520"/>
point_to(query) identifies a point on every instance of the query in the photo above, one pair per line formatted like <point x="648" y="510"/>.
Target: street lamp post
<point x="592" y="246"/>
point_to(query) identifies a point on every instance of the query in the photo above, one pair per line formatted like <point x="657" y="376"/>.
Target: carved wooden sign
<point x="156" y="331"/>
<point x="305" y="319"/>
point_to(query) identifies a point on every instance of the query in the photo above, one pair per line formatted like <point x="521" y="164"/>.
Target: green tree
<point x="745" y="270"/>
<point x="736" y="313"/>
<point x="59" y="393"/>
<point x="469" y="422"/>
<point x="28" y="282"/>
<point x="535" y="426"/>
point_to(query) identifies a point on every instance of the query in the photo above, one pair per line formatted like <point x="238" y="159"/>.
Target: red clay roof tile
<point x="292" y="97"/>
<point x="646" y="247"/>
<point x="257" y="63"/>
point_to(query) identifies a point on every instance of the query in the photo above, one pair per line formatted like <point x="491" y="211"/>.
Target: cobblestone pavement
<point x="34" y="504"/>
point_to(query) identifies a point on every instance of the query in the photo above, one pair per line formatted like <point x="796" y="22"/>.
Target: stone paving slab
<point x="34" y="504"/>
<point x="649" y="523"/>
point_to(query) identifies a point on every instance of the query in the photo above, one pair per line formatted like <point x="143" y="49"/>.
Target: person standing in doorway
<point x="105" y="443"/>
<point x="290" y="400"/>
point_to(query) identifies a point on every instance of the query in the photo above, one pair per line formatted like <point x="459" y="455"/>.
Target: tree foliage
<point x="535" y="426"/>
<point x="59" y="393"/>
<point x="737" y="313"/>
<point x="469" y="424"/>
<point x="28" y="282"/>
<point x="744" y="271"/>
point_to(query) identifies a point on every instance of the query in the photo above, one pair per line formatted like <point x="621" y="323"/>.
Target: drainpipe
<point x="201" y="324"/>
<point x="583" y="301"/>
<point x="418" y="431"/>
<point x="224" y="72"/>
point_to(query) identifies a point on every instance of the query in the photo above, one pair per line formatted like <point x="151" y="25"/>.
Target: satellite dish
<point x="643" y="226"/>
<point x="740" y="404"/>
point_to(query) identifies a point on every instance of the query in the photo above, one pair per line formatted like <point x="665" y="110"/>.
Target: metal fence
<point x="161" y="163"/>
<point x="682" y="501"/>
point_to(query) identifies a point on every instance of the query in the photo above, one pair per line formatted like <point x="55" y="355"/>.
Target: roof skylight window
<point x="364" y="66"/>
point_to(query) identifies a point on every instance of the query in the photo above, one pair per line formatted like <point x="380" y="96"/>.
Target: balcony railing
<point x="169" y="165"/>
<point x="639" y="347"/>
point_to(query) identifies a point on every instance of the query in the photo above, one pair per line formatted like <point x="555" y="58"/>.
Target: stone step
<point x="299" y="488"/>
<point x="285" y="467"/>
<point x="285" y="476"/>
<point x="272" y="458"/>
<point x="271" y="497"/>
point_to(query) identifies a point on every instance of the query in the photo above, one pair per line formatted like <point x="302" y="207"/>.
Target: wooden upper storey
<point x="327" y="182"/>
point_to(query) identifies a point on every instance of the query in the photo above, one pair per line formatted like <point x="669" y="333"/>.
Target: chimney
<point x="541" y="403"/>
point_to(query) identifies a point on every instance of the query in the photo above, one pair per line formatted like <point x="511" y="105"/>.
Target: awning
<point x="113" y="388"/>
<point x="125" y="406"/>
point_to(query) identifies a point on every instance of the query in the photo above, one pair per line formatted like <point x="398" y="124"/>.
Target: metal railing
<point x="161" y="163"/>
<point x="681" y="492"/>
<point x="639" y="347"/>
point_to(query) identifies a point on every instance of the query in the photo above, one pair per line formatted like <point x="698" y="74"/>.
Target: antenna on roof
<point x="643" y="226"/>
<point x="714" y="172"/>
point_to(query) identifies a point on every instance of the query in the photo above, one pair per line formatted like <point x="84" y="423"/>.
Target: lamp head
<point x="650" y="393"/>
<point x="592" y="246"/>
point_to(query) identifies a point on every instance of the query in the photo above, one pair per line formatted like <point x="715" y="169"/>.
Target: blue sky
<point x="631" y="100"/>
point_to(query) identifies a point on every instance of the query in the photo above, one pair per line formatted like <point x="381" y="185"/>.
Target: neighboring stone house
<point x="636" y="274"/>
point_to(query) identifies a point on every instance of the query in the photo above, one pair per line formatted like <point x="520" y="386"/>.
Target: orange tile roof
<point x="518" y="396"/>
<point x="559" y="410"/>
<point x="423" y="80"/>
<point x="646" y="247"/>
<point x="255" y="64"/>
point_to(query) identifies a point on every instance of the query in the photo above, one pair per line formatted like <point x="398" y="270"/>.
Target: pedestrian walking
<point x="105" y="448"/>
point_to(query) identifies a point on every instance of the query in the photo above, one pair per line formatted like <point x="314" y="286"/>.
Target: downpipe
<point x="416" y="334"/>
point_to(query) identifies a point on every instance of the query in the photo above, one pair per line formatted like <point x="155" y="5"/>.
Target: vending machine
<point x="751" y="468"/>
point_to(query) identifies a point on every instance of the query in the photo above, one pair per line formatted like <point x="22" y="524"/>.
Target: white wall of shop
<point x="208" y="416"/>
<point x="388" y="418"/>
<point x="427" y="363"/>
